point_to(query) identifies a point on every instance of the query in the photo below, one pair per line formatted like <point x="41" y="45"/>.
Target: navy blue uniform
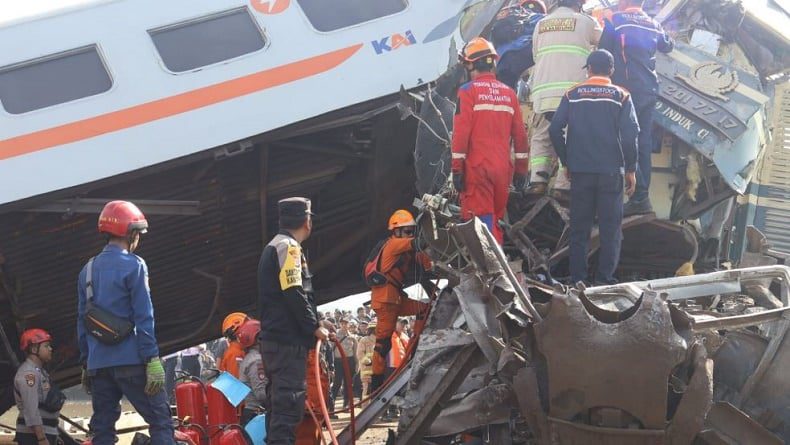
<point x="516" y="56"/>
<point x="601" y="145"/>
<point x="633" y="38"/>
<point x="120" y="286"/>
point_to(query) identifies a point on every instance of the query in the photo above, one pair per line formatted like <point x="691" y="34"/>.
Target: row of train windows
<point x="185" y="46"/>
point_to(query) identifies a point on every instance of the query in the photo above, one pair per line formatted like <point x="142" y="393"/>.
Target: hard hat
<point x="401" y="218"/>
<point x="33" y="337"/>
<point x="248" y="333"/>
<point x="233" y="322"/>
<point x="119" y="218"/>
<point x="478" y="48"/>
<point x="534" y="6"/>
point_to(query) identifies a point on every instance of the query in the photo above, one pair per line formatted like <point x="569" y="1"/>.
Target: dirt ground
<point x="78" y="408"/>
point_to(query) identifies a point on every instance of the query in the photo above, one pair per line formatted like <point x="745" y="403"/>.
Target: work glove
<point x="86" y="381"/>
<point x="458" y="182"/>
<point x="154" y="376"/>
<point x="519" y="182"/>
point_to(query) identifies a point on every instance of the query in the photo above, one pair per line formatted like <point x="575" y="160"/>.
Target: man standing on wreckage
<point x="601" y="147"/>
<point x="487" y="119"/>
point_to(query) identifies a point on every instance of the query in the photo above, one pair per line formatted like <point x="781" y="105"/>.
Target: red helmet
<point x="119" y="218"/>
<point x="534" y="6"/>
<point x="33" y="337"/>
<point x="248" y="333"/>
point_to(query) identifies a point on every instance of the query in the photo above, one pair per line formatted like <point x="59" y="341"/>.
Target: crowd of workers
<point x="592" y="93"/>
<point x="591" y="110"/>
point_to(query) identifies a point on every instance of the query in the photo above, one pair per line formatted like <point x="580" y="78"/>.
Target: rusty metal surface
<point x="574" y="343"/>
<point x="730" y="423"/>
<point x="489" y="405"/>
<point x="689" y="417"/>
<point x="44" y="252"/>
<point x="413" y="429"/>
<point x="569" y="433"/>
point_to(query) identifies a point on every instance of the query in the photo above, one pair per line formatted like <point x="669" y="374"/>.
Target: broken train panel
<point x="713" y="113"/>
<point x="678" y="360"/>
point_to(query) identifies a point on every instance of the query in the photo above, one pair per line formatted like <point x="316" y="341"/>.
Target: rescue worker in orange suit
<point x="37" y="399"/>
<point x="633" y="38"/>
<point x="289" y="321"/>
<point x="487" y="119"/>
<point x="398" y="259"/>
<point x="234" y="353"/>
<point x="308" y="432"/>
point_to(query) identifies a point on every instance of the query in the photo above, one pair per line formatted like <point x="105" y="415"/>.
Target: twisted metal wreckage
<point x="670" y="361"/>
<point x="686" y="359"/>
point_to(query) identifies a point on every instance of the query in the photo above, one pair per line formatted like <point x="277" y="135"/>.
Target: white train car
<point x="112" y="86"/>
<point x="205" y="113"/>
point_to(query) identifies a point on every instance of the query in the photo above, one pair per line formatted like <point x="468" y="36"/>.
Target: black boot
<point x="637" y="207"/>
<point x="376" y="381"/>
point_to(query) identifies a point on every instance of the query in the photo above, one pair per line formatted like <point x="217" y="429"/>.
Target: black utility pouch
<point x="54" y="400"/>
<point x="100" y="323"/>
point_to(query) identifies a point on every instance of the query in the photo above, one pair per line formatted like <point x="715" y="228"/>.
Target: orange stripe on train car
<point x="173" y="105"/>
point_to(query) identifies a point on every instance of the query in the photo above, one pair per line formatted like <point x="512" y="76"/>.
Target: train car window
<point x="329" y="16"/>
<point x="53" y="79"/>
<point x="207" y="40"/>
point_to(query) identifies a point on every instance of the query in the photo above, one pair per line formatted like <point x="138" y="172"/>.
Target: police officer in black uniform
<point x="289" y="322"/>
<point x="600" y="149"/>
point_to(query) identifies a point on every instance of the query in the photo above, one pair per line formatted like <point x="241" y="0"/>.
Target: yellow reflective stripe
<point x="522" y="155"/>
<point x="567" y="49"/>
<point x="459" y="155"/>
<point x="540" y="160"/>
<point x="553" y="86"/>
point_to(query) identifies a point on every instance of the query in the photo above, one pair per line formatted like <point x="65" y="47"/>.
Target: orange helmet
<point x="534" y="6"/>
<point x="401" y="218"/>
<point x="232" y="323"/>
<point x="248" y="333"/>
<point x="33" y="337"/>
<point x="478" y="48"/>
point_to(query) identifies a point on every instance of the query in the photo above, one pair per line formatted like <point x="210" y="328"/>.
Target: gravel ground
<point x="78" y="408"/>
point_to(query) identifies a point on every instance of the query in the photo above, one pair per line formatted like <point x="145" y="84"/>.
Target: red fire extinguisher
<point x="220" y="414"/>
<point x="186" y="437"/>
<point x="232" y="435"/>
<point x="191" y="402"/>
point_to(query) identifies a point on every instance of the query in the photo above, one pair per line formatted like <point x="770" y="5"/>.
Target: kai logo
<point x="270" y="7"/>
<point x="393" y="42"/>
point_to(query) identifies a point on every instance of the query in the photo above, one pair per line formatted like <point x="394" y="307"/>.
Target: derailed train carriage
<point x="718" y="100"/>
<point x="680" y="358"/>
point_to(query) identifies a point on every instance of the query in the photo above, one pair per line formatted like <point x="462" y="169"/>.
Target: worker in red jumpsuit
<point x="487" y="119"/>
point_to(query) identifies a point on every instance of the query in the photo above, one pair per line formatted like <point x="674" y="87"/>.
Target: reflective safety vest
<point x="560" y="45"/>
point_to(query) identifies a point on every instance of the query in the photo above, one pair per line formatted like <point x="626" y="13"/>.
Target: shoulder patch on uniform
<point x="30" y="379"/>
<point x="291" y="268"/>
<point x="558" y="24"/>
<point x="465" y="86"/>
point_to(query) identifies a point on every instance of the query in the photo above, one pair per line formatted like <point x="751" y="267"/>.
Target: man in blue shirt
<point x="633" y="38"/>
<point x="131" y="367"/>
<point x="600" y="147"/>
